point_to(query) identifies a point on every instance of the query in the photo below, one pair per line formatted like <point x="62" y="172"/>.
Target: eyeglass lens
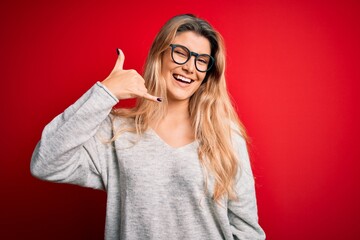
<point x="181" y="55"/>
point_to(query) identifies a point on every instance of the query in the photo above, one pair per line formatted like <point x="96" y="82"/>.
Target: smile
<point x="182" y="79"/>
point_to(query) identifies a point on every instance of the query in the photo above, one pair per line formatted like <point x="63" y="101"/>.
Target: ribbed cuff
<point x="108" y="91"/>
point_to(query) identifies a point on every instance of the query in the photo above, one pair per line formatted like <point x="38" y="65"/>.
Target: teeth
<point x="184" y="79"/>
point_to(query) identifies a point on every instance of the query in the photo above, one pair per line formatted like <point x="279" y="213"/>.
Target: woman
<point x="176" y="165"/>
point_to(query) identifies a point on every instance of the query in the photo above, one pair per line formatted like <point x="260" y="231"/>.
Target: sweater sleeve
<point x="242" y="212"/>
<point x="73" y="147"/>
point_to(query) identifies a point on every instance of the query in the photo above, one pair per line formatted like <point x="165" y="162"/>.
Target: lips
<point x="182" y="79"/>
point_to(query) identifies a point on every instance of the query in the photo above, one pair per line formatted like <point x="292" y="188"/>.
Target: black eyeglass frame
<point x="196" y="55"/>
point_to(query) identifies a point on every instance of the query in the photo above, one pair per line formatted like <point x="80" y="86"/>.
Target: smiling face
<point x="182" y="81"/>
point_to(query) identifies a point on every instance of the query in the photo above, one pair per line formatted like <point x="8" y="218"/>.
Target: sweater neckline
<point x="154" y="133"/>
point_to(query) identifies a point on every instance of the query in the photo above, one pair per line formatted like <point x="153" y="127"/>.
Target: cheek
<point x="164" y="65"/>
<point x="201" y="76"/>
<point x="167" y="68"/>
<point x="197" y="86"/>
<point x="167" y="63"/>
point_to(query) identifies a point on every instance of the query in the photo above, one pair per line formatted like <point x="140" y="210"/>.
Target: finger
<point x="120" y="60"/>
<point x="152" y="98"/>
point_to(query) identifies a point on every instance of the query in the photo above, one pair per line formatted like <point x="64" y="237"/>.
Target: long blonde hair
<point x="212" y="114"/>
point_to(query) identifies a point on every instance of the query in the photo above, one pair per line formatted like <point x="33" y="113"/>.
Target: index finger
<point x="152" y="98"/>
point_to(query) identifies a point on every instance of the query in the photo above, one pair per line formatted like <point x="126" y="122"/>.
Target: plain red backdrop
<point x="293" y="71"/>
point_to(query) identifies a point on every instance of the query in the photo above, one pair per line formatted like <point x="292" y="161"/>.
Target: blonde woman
<point x="176" y="165"/>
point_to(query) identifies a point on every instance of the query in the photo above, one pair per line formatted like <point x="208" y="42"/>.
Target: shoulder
<point x="238" y="137"/>
<point x="117" y="121"/>
<point x="240" y="147"/>
<point x="113" y="124"/>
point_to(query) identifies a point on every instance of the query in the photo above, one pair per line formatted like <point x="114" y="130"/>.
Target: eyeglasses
<point x="181" y="55"/>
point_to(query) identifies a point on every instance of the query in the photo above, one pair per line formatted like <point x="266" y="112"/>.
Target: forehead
<point x="194" y="42"/>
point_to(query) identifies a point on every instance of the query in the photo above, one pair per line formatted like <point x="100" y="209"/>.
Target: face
<point x="182" y="81"/>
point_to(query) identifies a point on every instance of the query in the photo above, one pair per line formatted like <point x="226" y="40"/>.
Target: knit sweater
<point x="154" y="190"/>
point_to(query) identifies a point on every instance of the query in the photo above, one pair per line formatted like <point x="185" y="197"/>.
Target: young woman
<point x="176" y="165"/>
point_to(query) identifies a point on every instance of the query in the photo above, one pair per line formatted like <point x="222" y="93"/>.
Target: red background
<point x="293" y="71"/>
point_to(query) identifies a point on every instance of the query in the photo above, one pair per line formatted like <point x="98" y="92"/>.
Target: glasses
<point x="181" y="55"/>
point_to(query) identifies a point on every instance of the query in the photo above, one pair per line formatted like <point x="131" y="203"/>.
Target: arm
<point x="69" y="150"/>
<point x="243" y="211"/>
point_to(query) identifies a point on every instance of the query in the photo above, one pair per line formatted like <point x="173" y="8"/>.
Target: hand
<point x="125" y="84"/>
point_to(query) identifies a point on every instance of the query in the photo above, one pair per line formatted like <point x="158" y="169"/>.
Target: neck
<point x="178" y="110"/>
<point x="177" y="115"/>
<point x="176" y="128"/>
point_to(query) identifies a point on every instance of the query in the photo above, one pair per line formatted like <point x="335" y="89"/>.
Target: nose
<point x="189" y="66"/>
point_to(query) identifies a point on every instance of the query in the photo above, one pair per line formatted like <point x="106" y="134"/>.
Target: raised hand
<point x="125" y="84"/>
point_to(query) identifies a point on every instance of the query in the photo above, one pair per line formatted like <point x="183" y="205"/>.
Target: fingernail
<point x="159" y="99"/>
<point x="118" y="51"/>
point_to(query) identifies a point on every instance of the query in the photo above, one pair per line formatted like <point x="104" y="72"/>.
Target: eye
<point x="180" y="52"/>
<point x="204" y="60"/>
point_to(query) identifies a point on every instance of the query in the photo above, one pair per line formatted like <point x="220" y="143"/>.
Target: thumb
<point x="120" y="60"/>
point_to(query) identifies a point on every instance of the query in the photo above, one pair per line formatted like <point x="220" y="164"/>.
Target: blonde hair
<point x="212" y="114"/>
